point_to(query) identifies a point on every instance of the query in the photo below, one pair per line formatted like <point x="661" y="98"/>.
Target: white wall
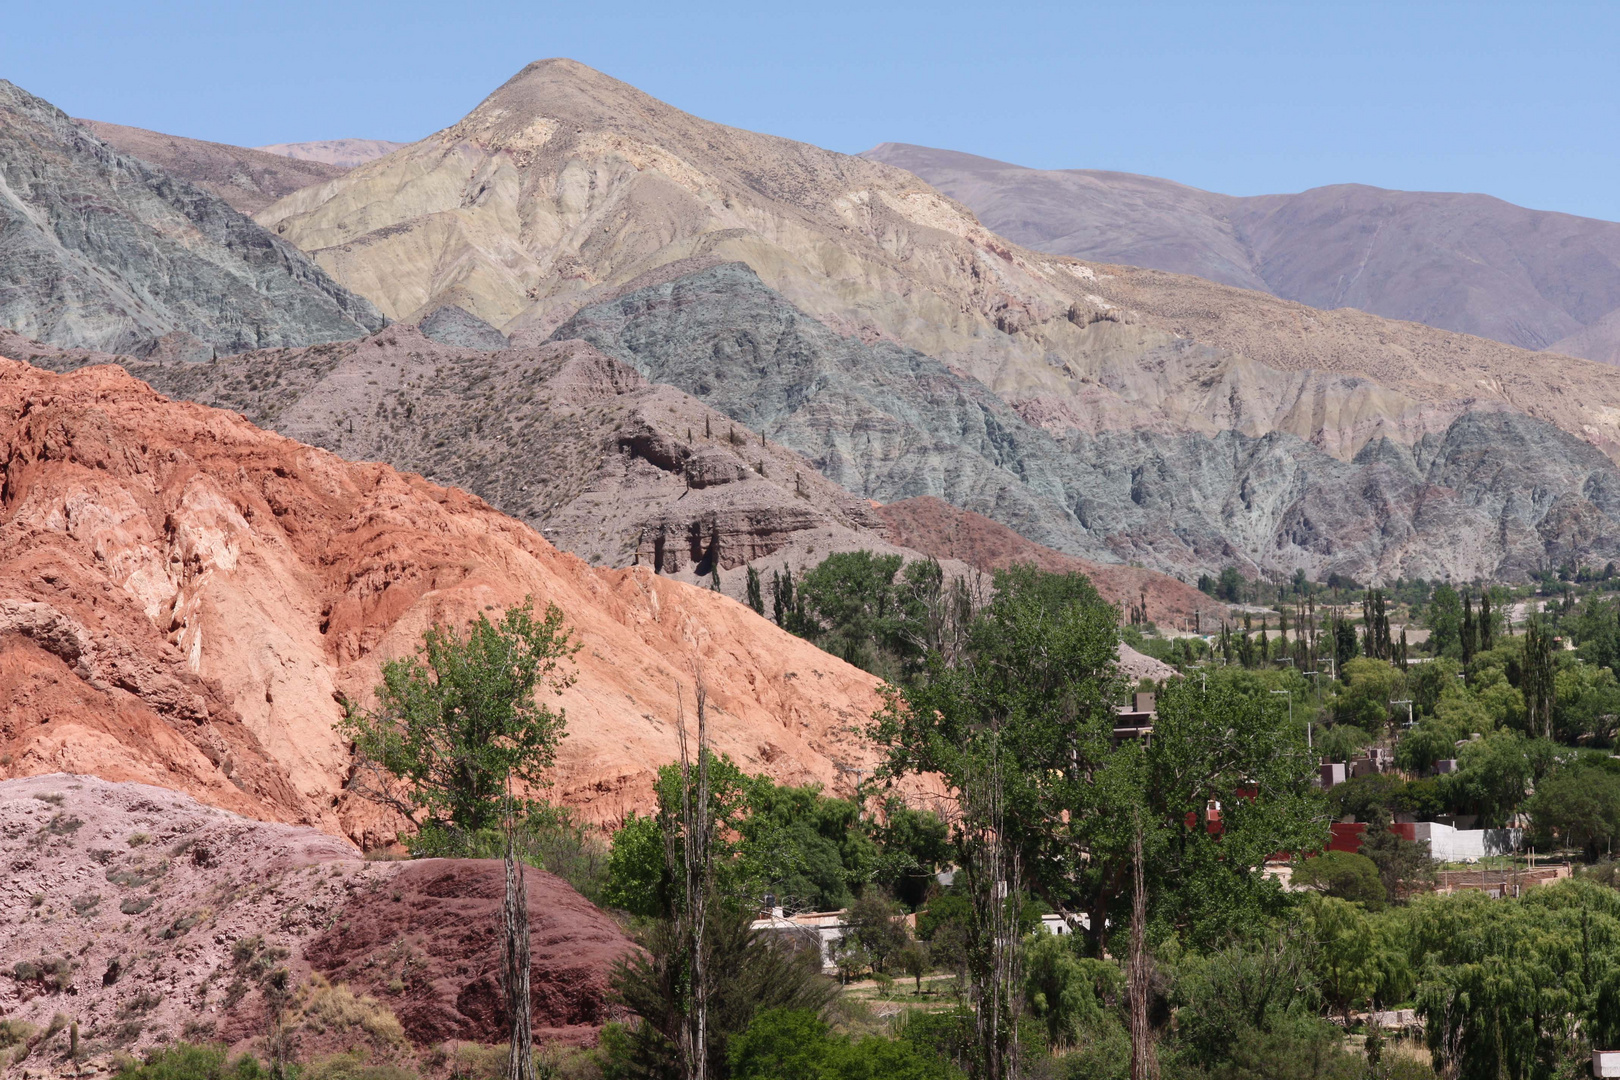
<point x="1447" y="844"/>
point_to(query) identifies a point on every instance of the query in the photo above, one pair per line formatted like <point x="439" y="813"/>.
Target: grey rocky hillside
<point x="572" y="442"/>
<point x="1497" y="494"/>
<point x="101" y="250"/>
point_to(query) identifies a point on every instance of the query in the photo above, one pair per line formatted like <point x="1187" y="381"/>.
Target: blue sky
<point x="1516" y="100"/>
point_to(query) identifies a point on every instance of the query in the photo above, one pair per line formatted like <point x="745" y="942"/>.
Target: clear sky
<point x="1518" y="100"/>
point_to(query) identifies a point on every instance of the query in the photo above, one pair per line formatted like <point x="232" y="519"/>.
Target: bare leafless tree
<point x="1144" y="1063"/>
<point x="515" y="956"/>
<point x="696" y="871"/>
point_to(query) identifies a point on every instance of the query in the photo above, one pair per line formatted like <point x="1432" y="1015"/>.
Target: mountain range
<point x="850" y="316"/>
<point x="1470" y="263"/>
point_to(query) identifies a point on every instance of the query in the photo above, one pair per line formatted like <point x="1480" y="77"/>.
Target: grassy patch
<point x="134" y="877"/>
<point x="338" y="1009"/>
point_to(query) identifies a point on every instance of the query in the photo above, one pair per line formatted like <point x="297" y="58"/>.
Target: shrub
<point x="795" y="1044"/>
<point x="1344" y="875"/>
<point x="352" y="1066"/>
<point x="13" y="1032"/>
<point x="337" y="1008"/>
<point x="188" y="1061"/>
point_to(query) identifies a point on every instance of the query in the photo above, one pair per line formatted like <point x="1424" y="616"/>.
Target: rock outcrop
<point x="1103" y="411"/>
<point x="339" y="153"/>
<point x="452" y="326"/>
<point x="565" y="186"/>
<point x="105" y="251"/>
<point x="188" y="596"/>
<point x="445" y="914"/>
<point x="571" y="442"/>
<point x="150" y="917"/>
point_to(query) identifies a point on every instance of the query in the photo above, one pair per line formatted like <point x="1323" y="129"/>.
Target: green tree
<point x="1578" y="806"/>
<point x="1342" y="875"/>
<point x="1468" y="635"/>
<point x="1367" y="689"/>
<point x="913" y="846"/>
<point x="1252" y="990"/>
<point x="796" y="1044"/>
<point x="1347" y="952"/>
<point x="1430" y="682"/>
<point x="1495" y="773"/>
<point x="1537" y="683"/>
<point x="756" y="974"/>
<point x="1345" y="644"/>
<point x="1517" y="988"/>
<point x="784" y="605"/>
<point x="1037" y="680"/>
<point x="852" y="607"/>
<point x="1065" y="991"/>
<point x="455" y="729"/>
<point x="638" y="881"/>
<point x="1339" y="742"/>
<point x="457" y="724"/>
<point x="811" y="851"/>
<point x="1586" y="704"/>
<point x="756" y="597"/>
<point x="874" y="922"/>
<point x="1072" y="791"/>
<point x="1445" y="622"/>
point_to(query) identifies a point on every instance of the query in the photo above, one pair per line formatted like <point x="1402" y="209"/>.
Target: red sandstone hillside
<point x="937" y="528"/>
<point x="183" y="596"/>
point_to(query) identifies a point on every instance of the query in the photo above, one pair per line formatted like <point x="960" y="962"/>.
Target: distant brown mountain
<point x="339" y="153"/>
<point x="1461" y="262"/>
<point x="249" y="180"/>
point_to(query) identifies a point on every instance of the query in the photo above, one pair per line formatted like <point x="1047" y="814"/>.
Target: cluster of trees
<point x="1183" y="954"/>
<point x="874" y="611"/>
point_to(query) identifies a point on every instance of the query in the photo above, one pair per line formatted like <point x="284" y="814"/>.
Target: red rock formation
<point x="936" y="527"/>
<point x="163" y="905"/>
<point x="445" y="914"/>
<point x="183" y="597"/>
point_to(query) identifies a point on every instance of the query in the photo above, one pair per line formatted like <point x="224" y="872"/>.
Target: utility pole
<point x="1308" y="744"/>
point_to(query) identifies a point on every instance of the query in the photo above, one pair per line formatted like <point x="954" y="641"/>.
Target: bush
<point x="1344" y="875"/>
<point x="548" y="838"/>
<point x="795" y="1044"/>
<point x="339" y="1009"/>
<point x="352" y="1066"/>
<point x="187" y="1061"/>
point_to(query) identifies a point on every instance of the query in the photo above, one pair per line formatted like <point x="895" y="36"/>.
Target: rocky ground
<point x="136" y="915"/>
